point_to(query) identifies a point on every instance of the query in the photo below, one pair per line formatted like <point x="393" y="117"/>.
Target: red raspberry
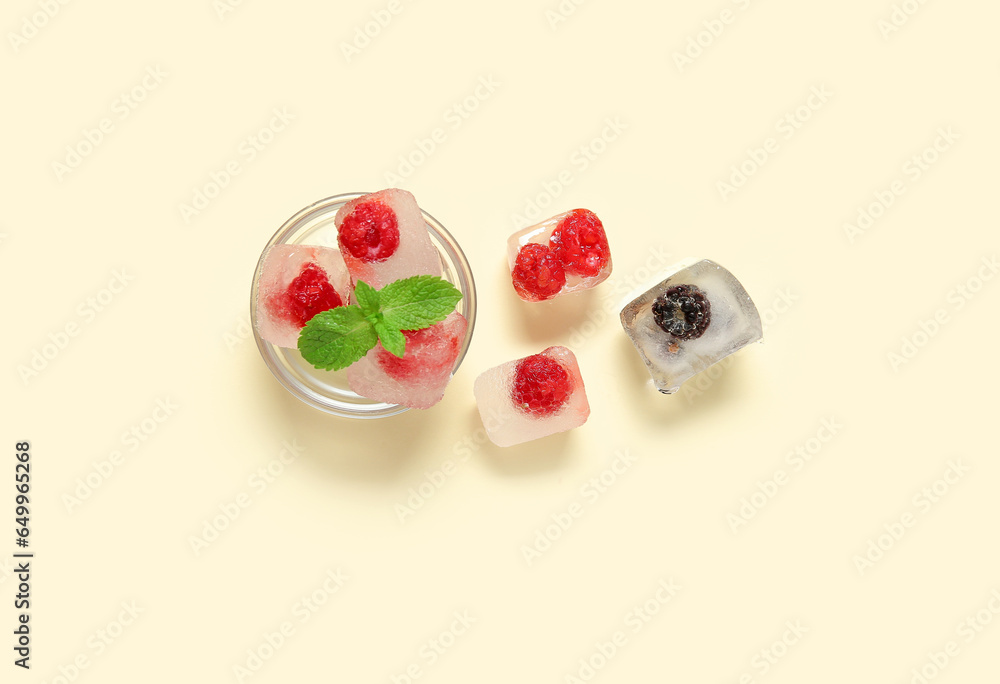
<point x="429" y="351"/>
<point x="370" y="232"/>
<point x="580" y="243"/>
<point x="537" y="273"/>
<point x="541" y="385"/>
<point x="308" y="294"/>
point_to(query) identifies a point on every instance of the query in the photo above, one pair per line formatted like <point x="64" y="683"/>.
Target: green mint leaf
<point x="336" y="338"/>
<point x="391" y="338"/>
<point x="417" y="302"/>
<point x="367" y="297"/>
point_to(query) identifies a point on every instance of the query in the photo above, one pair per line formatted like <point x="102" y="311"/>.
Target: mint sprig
<point x="417" y="302"/>
<point x="391" y="339"/>
<point x="367" y="297"/>
<point x="336" y="338"/>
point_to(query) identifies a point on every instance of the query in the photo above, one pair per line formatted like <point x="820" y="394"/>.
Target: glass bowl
<point x="328" y="390"/>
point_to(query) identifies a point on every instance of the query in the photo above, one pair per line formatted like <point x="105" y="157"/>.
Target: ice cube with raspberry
<point x="563" y="254"/>
<point x="383" y="237"/>
<point x="697" y="315"/>
<point x="296" y="283"/>
<point x="417" y="379"/>
<point x="532" y="397"/>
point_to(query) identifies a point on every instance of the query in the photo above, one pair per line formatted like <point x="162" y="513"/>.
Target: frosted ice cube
<point x="532" y="397"/>
<point x="419" y="378"/>
<point x="564" y="254"/>
<point x="690" y="336"/>
<point x="383" y="237"/>
<point x="296" y="283"/>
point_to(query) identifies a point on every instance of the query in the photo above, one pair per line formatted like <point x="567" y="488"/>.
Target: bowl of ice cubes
<point x="303" y="270"/>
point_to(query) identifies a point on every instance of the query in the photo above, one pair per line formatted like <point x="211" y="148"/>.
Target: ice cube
<point x="419" y="378"/>
<point x="696" y="316"/>
<point x="564" y="254"/>
<point x="532" y="397"/>
<point x="296" y="283"/>
<point x="383" y="237"/>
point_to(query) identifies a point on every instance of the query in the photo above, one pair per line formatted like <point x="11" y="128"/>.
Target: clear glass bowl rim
<point x="450" y="251"/>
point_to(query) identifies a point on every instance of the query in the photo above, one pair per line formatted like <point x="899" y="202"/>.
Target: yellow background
<point x="502" y="98"/>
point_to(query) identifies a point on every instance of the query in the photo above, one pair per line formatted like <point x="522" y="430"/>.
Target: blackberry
<point x="683" y="311"/>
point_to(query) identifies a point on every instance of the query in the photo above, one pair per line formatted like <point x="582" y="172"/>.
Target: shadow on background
<point x="545" y="322"/>
<point x="521" y="460"/>
<point x="704" y="397"/>
<point x="368" y="450"/>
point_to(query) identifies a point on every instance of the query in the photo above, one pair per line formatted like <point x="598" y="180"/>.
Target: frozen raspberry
<point x="429" y="351"/>
<point x="370" y="232"/>
<point x="537" y="273"/>
<point x="309" y="293"/>
<point x="683" y="311"/>
<point x="541" y="385"/>
<point x="580" y="243"/>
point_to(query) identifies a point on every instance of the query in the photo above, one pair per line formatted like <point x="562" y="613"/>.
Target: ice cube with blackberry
<point x="697" y="315"/>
